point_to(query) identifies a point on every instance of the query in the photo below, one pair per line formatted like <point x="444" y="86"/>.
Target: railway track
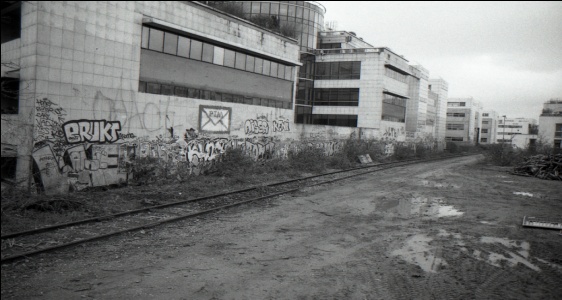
<point x="21" y="245"/>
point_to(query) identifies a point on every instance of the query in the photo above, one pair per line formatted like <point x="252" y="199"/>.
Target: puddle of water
<point x="416" y="250"/>
<point x="426" y="208"/>
<point x="553" y="265"/>
<point x="520" y="247"/>
<point x="523" y="194"/>
<point x="439" y="185"/>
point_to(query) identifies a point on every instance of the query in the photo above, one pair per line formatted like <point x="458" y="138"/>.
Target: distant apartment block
<point x="464" y="120"/>
<point x="519" y="132"/>
<point x="489" y="128"/>
<point x="550" y="123"/>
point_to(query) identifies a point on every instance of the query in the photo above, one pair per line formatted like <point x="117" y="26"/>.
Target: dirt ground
<point x="440" y="230"/>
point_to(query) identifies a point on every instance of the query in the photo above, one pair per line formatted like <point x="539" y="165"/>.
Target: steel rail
<point x="191" y="215"/>
<point x="149" y="208"/>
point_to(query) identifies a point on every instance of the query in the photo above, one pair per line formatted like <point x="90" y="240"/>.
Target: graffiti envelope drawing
<point x="214" y="119"/>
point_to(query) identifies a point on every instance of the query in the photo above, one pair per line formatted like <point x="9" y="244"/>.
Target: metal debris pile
<point x="541" y="166"/>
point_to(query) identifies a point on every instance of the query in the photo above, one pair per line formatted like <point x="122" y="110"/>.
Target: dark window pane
<point x="266" y="67"/>
<point x="206" y="95"/>
<point x="259" y="66"/>
<point x="156" y="40"/>
<point x="193" y="93"/>
<point x="356" y="70"/>
<point x="334" y="69"/>
<point x="250" y="61"/>
<point x="208" y="52"/>
<point x="229" y="58"/>
<point x="227" y="97"/>
<point x="142" y="86"/>
<point x="167" y="89"/>
<point x="144" y="39"/>
<point x="183" y="46"/>
<point x="240" y="61"/>
<point x="196" y="50"/>
<point x="345" y="70"/>
<point x="153" y="88"/>
<point x="218" y="96"/>
<point x="273" y="71"/>
<point x="181" y="91"/>
<point x="170" y="43"/>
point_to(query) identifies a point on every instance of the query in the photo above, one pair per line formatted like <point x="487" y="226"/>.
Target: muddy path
<point x="440" y="230"/>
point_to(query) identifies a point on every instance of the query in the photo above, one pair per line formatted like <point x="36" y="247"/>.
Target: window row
<point x="335" y="120"/>
<point x="338" y="70"/>
<point x="485" y="122"/>
<point x="455" y="126"/>
<point x="181" y="91"/>
<point x="394" y="100"/>
<point x="484" y="130"/>
<point x="396" y="75"/>
<point x="484" y="140"/>
<point x="330" y="46"/>
<point x="336" y="97"/>
<point x="393" y="113"/>
<point x="456" y="115"/>
<point x="281" y="9"/>
<point x="456" y="104"/>
<point x="454" y="139"/>
<point x="510" y="126"/>
<point x="170" y="43"/>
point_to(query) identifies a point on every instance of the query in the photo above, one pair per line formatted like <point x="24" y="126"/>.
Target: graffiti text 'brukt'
<point x="100" y="131"/>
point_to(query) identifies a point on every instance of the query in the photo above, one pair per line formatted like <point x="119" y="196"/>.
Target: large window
<point x="457" y="115"/>
<point x="170" y="43"/>
<point x="393" y="108"/>
<point x="395" y="75"/>
<point x="456" y="104"/>
<point x="336" y="97"/>
<point x="335" y="120"/>
<point x="188" y="92"/>
<point x="338" y="70"/>
<point x="10" y="95"/>
<point x="451" y="126"/>
<point x="484" y="130"/>
<point x="558" y="132"/>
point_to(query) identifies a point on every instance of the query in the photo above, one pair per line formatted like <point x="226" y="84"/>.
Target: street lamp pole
<point x="504" y="127"/>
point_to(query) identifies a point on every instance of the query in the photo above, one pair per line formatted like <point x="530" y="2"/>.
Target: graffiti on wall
<point x="256" y="126"/>
<point x="393" y="132"/>
<point x="261" y="125"/>
<point x="214" y="119"/>
<point x="99" y="131"/>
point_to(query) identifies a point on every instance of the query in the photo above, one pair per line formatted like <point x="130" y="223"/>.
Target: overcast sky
<point x="507" y="55"/>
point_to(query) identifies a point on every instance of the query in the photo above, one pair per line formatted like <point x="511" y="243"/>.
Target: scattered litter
<point x="541" y="166"/>
<point x="523" y="194"/>
<point x="425" y="207"/>
<point x="365" y="159"/>
<point x="416" y="250"/>
<point x="541" y="223"/>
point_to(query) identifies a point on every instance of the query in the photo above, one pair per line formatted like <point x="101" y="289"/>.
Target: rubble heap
<point x="541" y="166"/>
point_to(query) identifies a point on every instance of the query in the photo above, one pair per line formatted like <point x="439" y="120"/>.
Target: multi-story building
<point x="101" y="83"/>
<point x="463" y="120"/>
<point x="519" y="132"/>
<point x="550" y="123"/>
<point x="488" y="131"/>
<point x="436" y="116"/>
